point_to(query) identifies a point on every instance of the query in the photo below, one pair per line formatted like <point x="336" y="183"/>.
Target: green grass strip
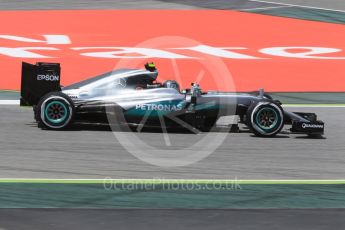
<point x="9" y="90"/>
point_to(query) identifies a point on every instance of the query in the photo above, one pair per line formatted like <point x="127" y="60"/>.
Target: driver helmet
<point x="171" y="84"/>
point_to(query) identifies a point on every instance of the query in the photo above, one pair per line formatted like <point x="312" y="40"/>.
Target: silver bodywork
<point x="135" y="94"/>
<point x="112" y="88"/>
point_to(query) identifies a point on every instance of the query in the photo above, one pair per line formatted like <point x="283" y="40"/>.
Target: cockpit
<point x="148" y="81"/>
<point x="124" y="79"/>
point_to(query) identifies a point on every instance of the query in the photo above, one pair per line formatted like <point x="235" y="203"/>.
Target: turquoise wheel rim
<point x="267" y="119"/>
<point x="56" y="112"/>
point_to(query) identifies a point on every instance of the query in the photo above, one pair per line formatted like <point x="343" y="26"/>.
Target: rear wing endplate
<point x="38" y="80"/>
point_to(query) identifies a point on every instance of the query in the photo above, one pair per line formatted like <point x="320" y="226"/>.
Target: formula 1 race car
<point x="141" y="100"/>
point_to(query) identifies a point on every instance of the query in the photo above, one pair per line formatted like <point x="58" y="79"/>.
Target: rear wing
<point x="38" y="80"/>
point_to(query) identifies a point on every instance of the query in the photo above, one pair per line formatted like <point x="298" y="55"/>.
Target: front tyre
<point x="265" y="118"/>
<point x="55" y="111"/>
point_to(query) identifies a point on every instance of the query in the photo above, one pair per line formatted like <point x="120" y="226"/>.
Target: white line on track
<point x="9" y="102"/>
<point x="314" y="106"/>
<point x="266" y="8"/>
<point x="295" y="5"/>
<point x="159" y="181"/>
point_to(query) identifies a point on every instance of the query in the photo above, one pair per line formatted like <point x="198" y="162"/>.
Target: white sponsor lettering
<point x="224" y="52"/>
<point x="130" y="52"/>
<point x="49" y="39"/>
<point x="314" y="126"/>
<point x="47" y="77"/>
<point x="23" y="52"/>
<point x="310" y="53"/>
<point x="158" y="107"/>
<point x="119" y="52"/>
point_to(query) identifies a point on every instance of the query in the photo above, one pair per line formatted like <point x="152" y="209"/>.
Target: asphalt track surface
<point x="167" y="4"/>
<point x="172" y="219"/>
<point x="29" y="152"/>
<point x="130" y="4"/>
<point x="94" y="152"/>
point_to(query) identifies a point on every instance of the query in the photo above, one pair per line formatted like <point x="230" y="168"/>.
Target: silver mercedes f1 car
<point x="136" y="96"/>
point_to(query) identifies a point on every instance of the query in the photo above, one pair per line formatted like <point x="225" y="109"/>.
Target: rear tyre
<point x="54" y="111"/>
<point x="265" y="118"/>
